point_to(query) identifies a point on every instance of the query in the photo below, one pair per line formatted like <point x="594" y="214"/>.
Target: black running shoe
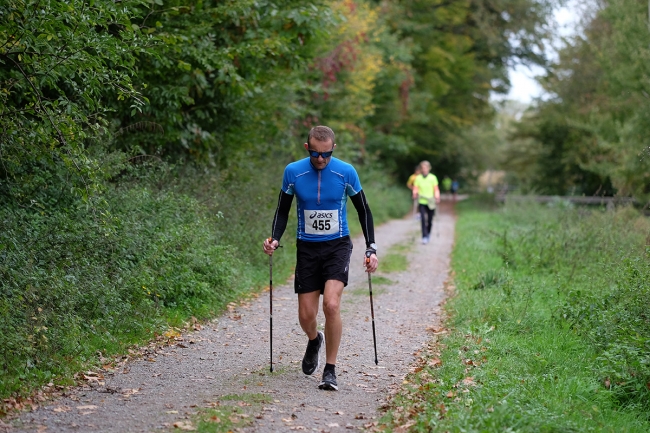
<point x="310" y="361"/>
<point x="329" y="381"/>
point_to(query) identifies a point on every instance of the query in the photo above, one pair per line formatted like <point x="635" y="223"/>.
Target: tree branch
<point x="61" y="138"/>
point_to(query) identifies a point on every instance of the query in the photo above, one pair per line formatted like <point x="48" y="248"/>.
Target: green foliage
<point x="592" y="136"/>
<point x="558" y="342"/>
<point x="210" y="80"/>
<point x="460" y="51"/>
<point x="223" y="76"/>
<point x="71" y="284"/>
<point x="59" y="63"/>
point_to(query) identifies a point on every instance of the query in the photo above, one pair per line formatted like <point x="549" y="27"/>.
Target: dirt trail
<point x="230" y="356"/>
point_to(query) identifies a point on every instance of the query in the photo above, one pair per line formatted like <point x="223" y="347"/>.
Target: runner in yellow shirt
<point x="427" y="192"/>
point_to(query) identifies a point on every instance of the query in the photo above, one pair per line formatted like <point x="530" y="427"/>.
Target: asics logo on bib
<point x="321" y="222"/>
<point x="321" y="215"/>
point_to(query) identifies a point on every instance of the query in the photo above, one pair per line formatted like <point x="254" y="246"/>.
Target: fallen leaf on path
<point x="172" y="333"/>
<point x="184" y="425"/>
<point x="333" y="425"/>
<point x="436" y="331"/>
<point x="129" y="392"/>
<point x="87" y="407"/>
<point x="61" y="409"/>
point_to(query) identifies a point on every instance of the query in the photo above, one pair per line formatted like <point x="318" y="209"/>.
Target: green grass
<point x="251" y="398"/>
<point x="393" y="260"/>
<point x="548" y="331"/>
<point x="229" y="413"/>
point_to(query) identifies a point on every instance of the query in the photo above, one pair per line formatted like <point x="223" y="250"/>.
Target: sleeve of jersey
<point x="365" y="217"/>
<point x="281" y="215"/>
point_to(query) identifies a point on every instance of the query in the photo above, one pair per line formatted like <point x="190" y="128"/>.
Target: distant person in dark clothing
<point x="454" y="188"/>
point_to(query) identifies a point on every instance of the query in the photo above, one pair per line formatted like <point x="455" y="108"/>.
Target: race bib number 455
<point x="321" y="222"/>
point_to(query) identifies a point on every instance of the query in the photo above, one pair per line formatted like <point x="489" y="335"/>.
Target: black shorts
<point x="317" y="262"/>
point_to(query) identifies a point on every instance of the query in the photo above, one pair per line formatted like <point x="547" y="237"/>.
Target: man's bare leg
<point x="307" y="312"/>
<point x="333" y="323"/>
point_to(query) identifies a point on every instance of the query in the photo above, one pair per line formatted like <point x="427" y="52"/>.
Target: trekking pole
<point x="372" y="310"/>
<point x="271" y="308"/>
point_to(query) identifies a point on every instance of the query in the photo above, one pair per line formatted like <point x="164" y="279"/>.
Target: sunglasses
<point x="315" y="154"/>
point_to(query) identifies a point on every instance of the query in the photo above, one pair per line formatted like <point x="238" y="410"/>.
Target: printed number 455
<point x="321" y="225"/>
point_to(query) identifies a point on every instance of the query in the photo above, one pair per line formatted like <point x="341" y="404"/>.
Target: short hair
<point x="321" y="133"/>
<point x="425" y="162"/>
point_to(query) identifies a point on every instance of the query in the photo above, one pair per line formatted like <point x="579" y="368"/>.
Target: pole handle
<point x="270" y="239"/>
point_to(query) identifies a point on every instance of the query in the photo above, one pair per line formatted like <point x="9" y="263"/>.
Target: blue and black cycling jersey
<point x="322" y="197"/>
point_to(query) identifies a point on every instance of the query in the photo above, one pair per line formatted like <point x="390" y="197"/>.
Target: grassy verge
<point x="230" y="413"/>
<point x="81" y="286"/>
<point x="548" y="330"/>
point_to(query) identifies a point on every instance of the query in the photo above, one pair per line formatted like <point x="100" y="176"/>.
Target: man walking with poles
<point x="322" y="185"/>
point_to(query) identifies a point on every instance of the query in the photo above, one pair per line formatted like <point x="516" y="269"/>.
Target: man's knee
<point x="306" y="314"/>
<point x="331" y="307"/>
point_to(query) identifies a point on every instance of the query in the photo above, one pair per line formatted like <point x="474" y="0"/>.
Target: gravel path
<point x="230" y="356"/>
